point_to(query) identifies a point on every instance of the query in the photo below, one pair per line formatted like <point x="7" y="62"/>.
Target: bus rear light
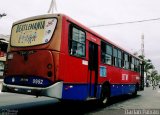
<point x="49" y="66"/>
<point x="49" y="74"/>
<point x="10" y="56"/>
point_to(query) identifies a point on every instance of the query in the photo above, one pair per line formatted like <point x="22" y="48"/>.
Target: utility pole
<point x="142" y="45"/>
<point x="52" y="6"/>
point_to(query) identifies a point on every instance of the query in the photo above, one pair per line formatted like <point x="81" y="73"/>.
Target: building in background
<point x="3" y="52"/>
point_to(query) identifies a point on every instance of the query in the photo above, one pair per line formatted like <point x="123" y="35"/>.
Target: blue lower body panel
<point x="83" y="91"/>
<point x="80" y="91"/>
<point x="119" y="89"/>
<point x="75" y="91"/>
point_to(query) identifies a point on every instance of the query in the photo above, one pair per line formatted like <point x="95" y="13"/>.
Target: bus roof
<point x="36" y="17"/>
<point x="98" y="35"/>
<point x="78" y="24"/>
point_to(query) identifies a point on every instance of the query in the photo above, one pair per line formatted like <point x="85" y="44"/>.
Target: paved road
<point x="20" y="101"/>
<point x="146" y="100"/>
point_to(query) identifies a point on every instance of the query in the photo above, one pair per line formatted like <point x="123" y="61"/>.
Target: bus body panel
<point x="25" y="65"/>
<point x="79" y="81"/>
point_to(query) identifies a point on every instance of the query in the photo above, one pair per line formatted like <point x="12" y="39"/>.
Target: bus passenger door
<point x="93" y="69"/>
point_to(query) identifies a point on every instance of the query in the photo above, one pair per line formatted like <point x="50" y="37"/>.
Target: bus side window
<point x="119" y="58"/>
<point x="77" y="42"/>
<point x="136" y="65"/>
<point x="132" y="63"/>
<point x="126" y="61"/>
<point x="106" y="53"/>
<point x="115" y="57"/>
<point x="103" y="52"/>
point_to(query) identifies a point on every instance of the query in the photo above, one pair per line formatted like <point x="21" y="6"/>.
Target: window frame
<point x="115" y="57"/>
<point x="120" y="58"/>
<point x="123" y="58"/>
<point x="70" y="39"/>
<point x="126" y="61"/>
<point x="132" y="63"/>
<point x="106" y="52"/>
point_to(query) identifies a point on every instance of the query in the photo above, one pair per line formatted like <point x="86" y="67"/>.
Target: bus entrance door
<point x="93" y="69"/>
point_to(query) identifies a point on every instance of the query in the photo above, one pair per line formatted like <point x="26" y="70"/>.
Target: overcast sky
<point x="99" y="12"/>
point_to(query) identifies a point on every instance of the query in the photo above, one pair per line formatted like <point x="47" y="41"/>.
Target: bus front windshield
<point x="32" y="33"/>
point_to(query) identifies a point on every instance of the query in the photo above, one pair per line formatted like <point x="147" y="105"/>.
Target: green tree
<point x="157" y="78"/>
<point x="153" y="76"/>
<point x="148" y="66"/>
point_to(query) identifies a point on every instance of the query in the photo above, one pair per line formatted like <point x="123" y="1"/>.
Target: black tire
<point x="105" y="95"/>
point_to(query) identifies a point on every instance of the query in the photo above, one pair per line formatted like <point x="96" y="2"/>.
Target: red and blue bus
<point x="53" y="55"/>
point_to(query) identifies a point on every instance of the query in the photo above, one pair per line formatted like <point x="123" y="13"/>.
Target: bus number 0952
<point x="37" y="81"/>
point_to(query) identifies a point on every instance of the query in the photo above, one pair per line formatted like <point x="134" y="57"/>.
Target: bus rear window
<point x="31" y="33"/>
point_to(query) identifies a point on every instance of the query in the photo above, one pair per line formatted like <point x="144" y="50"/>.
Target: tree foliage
<point x="149" y="69"/>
